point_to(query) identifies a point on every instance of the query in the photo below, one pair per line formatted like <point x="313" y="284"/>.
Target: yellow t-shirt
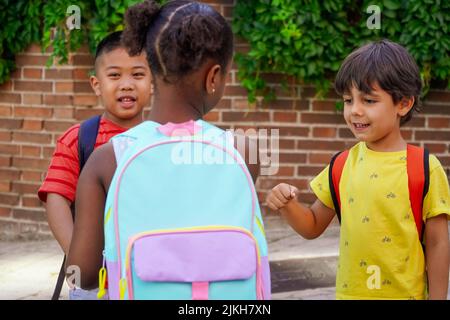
<point x="380" y="255"/>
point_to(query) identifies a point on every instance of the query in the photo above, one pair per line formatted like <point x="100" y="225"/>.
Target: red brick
<point x="6" y="86"/>
<point x="415" y="122"/>
<point x="31" y="201"/>
<point x="29" y="214"/>
<point x="9" y="174"/>
<point x="31" y="151"/>
<point x="81" y="74"/>
<point x="285" y="116"/>
<point x="32" y="125"/>
<point x="5" y="186"/>
<point x="32" y="112"/>
<point x="85" y="100"/>
<point x="83" y="60"/>
<point x="252" y="116"/>
<point x="32" y="137"/>
<point x="31" y="60"/>
<point x="292" y="157"/>
<point x="324" y="105"/>
<point x="243" y="104"/>
<point x="63" y="113"/>
<point x="9" y="199"/>
<point x="438" y="122"/>
<point x="307" y="92"/>
<point x="63" y="87"/>
<point x="430" y="108"/>
<point x="292" y="131"/>
<point x="82" y="87"/>
<point x="57" y="126"/>
<point x="32" y="98"/>
<point x="309" y="171"/>
<point x="32" y="73"/>
<point x="432" y="135"/>
<point x="285" y="172"/>
<point x="25" y="187"/>
<point x="436" y="147"/>
<point x="34" y="48"/>
<point x="10" y="123"/>
<point x="5" y="136"/>
<point x="5" y="161"/>
<point x="321" y="158"/>
<point x="56" y="74"/>
<point x="83" y="114"/>
<point x="32" y="176"/>
<point x="10" y="149"/>
<point x="438" y="96"/>
<point x="10" y="98"/>
<point x="324" y="132"/>
<point x="286" y="144"/>
<point x="235" y="91"/>
<point x="327" y="118"/>
<point x="320" y="145"/>
<point x="36" y="86"/>
<point x="51" y="99"/>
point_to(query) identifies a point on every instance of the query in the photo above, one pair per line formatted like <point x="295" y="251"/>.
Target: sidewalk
<point x="300" y="269"/>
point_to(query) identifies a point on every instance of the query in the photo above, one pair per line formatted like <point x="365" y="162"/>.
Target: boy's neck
<point x="389" y="143"/>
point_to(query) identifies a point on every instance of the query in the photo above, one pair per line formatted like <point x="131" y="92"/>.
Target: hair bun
<point x="137" y="21"/>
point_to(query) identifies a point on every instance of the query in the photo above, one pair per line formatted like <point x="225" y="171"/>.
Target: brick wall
<point x="40" y="103"/>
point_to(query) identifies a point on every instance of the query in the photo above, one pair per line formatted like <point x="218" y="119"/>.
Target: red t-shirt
<point x="63" y="172"/>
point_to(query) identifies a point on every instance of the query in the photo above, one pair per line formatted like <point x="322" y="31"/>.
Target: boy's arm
<point x="437" y="256"/>
<point x="59" y="218"/>
<point x="88" y="239"/>
<point x="311" y="222"/>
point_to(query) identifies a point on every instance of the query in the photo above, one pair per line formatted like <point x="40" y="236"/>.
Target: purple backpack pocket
<point x="196" y="256"/>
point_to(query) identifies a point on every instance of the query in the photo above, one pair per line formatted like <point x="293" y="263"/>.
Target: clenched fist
<point x="280" y="195"/>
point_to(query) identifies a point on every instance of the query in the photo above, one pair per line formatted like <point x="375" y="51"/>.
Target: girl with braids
<point x="189" y="49"/>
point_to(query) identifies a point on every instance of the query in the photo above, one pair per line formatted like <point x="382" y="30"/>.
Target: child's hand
<point x="280" y="195"/>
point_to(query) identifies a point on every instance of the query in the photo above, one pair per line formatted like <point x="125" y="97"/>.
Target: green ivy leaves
<point x="44" y="22"/>
<point x="308" y="39"/>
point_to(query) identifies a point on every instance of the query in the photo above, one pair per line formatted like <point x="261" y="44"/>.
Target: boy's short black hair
<point x="386" y="63"/>
<point x="109" y="43"/>
<point x="178" y="36"/>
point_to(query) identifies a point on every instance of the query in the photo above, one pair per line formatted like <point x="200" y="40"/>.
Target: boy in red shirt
<point x="123" y="84"/>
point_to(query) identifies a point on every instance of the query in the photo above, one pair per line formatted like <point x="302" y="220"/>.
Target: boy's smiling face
<point x="374" y="118"/>
<point x="124" y="85"/>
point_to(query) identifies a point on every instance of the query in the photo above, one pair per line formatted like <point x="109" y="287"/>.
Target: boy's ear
<point x="95" y="84"/>
<point x="405" y="105"/>
<point x="213" y="79"/>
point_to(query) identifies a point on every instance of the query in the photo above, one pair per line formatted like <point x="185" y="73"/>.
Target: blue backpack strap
<point x="87" y="135"/>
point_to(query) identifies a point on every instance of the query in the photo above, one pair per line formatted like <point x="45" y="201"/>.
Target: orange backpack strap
<point x="334" y="177"/>
<point x="418" y="169"/>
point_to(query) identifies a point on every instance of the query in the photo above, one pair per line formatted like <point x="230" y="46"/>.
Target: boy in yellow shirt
<point x="381" y="255"/>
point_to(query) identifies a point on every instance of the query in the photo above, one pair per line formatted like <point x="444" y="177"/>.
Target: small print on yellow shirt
<point x="380" y="255"/>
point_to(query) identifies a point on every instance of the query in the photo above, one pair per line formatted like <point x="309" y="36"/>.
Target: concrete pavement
<point x="300" y="269"/>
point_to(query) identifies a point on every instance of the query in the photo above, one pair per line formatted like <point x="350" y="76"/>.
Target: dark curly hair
<point x="179" y="37"/>
<point x="386" y="63"/>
